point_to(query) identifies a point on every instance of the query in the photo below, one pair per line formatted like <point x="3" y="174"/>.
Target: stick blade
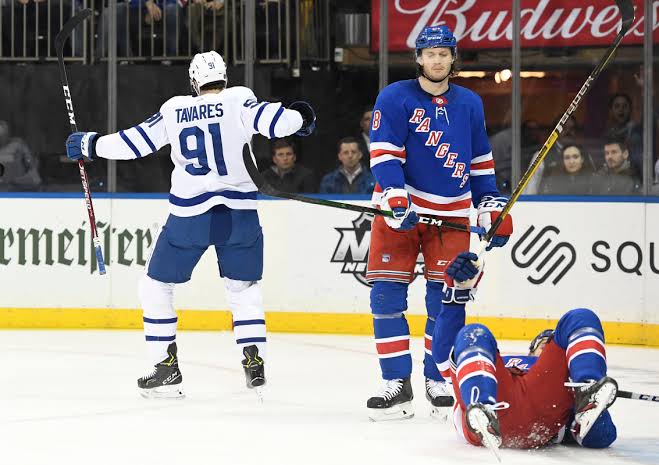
<point x="626" y="8"/>
<point x="68" y="28"/>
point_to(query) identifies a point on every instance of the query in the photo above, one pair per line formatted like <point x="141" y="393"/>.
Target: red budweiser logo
<point x="488" y="23"/>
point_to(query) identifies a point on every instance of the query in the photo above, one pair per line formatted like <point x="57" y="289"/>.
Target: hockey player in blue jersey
<point x="560" y="392"/>
<point x="212" y="202"/>
<point x="430" y="155"/>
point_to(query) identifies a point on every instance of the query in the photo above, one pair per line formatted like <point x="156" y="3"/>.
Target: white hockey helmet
<point x="205" y="68"/>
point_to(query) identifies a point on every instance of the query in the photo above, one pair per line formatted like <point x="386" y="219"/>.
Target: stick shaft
<point x="64" y="34"/>
<point x="627" y="14"/>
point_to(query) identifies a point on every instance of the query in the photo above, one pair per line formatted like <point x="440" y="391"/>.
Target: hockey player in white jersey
<point x="212" y="201"/>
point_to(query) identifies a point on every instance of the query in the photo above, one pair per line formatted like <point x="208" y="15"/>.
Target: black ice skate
<point x="254" y="370"/>
<point x="165" y="381"/>
<point x="441" y="400"/>
<point x="393" y="402"/>
<point x="590" y="400"/>
<point x="483" y="422"/>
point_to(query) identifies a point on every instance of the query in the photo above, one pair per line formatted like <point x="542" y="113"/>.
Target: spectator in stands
<point x="620" y="126"/>
<point x="128" y="25"/>
<point x="502" y="149"/>
<point x="363" y="138"/>
<point x="206" y="24"/>
<point x="350" y="177"/>
<point x="285" y="175"/>
<point x="617" y="176"/>
<point x="31" y="21"/>
<point x="19" y="170"/>
<point x="575" y="175"/>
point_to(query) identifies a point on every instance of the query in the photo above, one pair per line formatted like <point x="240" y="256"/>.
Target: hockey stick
<point x="627" y="14"/>
<point x="265" y="188"/>
<point x="637" y="396"/>
<point x="61" y="37"/>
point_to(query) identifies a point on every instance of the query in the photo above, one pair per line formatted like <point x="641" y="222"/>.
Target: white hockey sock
<point x="246" y="304"/>
<point x="159" y="316"/>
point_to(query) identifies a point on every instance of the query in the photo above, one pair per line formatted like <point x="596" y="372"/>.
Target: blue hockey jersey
<point x="436" y="147"/>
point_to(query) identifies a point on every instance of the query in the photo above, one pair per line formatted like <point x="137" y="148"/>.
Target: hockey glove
<point x="81" y="144"/>
<point x="308" y="117"/>
<point x="398" y="202"/>
<point x="489" y="209"/>
<point x="462" y="276"/>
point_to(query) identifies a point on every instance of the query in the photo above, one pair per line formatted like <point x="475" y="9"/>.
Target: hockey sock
<point x="450" y="320"/>
<point x="246" y="304"/>
<point x="159" y="317"/>
<point x="475" y="349"/>
<point x="580" y="333"/>
<point x="433" y="307"/>
<point x="392" y="333"/>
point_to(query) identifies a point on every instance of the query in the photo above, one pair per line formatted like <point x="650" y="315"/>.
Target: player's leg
<point x="177" y="250"/>
<point x="444" y="319"/>
<point x="579" y="332"/>
<point x="474" y="354"/>
<point x="238" y="240"/>
<point x="391" y="263"/>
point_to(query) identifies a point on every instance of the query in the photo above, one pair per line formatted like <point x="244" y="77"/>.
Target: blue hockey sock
<point x="580" y="333"/>
<point x="474" y="351"/>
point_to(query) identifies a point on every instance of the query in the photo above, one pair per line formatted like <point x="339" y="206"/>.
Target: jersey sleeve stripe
<point x="483" y="165"/>
<point x="258" y="116"/>
<point x="481" y="172"/>
<point x="386" y="146"/>
<point x="236" y="195"/>
<point x="130" y="144"/>
<point x="146" y="138"/>
<point x="481" y="158"/>
<point x="385" y="157"/>
<point x="274" y="121"/>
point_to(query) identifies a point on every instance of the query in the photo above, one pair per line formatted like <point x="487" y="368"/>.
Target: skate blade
<point x="478" y="422"/>
<point x="440" y="414"/>
<point x="258" y="390"/>
<point x="164" y="392"/>
<point x="397" y="412"/>
<point x="603" y="398"/>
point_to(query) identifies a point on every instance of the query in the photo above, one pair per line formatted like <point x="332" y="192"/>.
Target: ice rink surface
<point x="69" y="397"/>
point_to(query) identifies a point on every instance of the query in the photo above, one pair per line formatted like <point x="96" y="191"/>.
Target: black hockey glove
<point x="308" y="117"/>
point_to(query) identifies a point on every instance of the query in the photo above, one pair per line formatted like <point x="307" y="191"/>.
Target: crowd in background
<point x="609" y="165"/>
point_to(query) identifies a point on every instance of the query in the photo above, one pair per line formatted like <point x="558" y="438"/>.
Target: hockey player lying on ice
<point x="523" y="402"/>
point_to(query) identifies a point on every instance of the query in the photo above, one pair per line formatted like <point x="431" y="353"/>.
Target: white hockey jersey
<point x="207" y="134"/>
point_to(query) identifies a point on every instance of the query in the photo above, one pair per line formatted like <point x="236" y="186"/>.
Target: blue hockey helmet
<point x="434" y="37"/>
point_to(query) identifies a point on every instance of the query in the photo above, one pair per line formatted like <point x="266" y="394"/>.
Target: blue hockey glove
<point x="489" y="209"/>
<point x="398" y="202"/>
<point x="308" y="117"/>
<point x="462" y="277"/>
<point x="80" y="144"/>
<point x="464" y="267"/>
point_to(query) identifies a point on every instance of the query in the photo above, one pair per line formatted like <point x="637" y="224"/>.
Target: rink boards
<point x="565" y="253"/>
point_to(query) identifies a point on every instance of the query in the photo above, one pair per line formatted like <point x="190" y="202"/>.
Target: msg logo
<point x="547" y="255"/>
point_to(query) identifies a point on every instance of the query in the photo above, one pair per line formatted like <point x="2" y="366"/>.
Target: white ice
<point x="69" y="397"/>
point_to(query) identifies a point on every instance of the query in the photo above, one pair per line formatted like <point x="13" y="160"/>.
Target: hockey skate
<point x="483" y="422"/>
<point x="393" y="402"/>
<point x="165" y="381"/>
<point x="441" y="400"/>
<point x="590" y="400"/>
<point x="254" y="370"/>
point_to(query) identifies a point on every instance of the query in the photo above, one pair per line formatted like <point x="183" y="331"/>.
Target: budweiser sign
<point x="486" y="24"/>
